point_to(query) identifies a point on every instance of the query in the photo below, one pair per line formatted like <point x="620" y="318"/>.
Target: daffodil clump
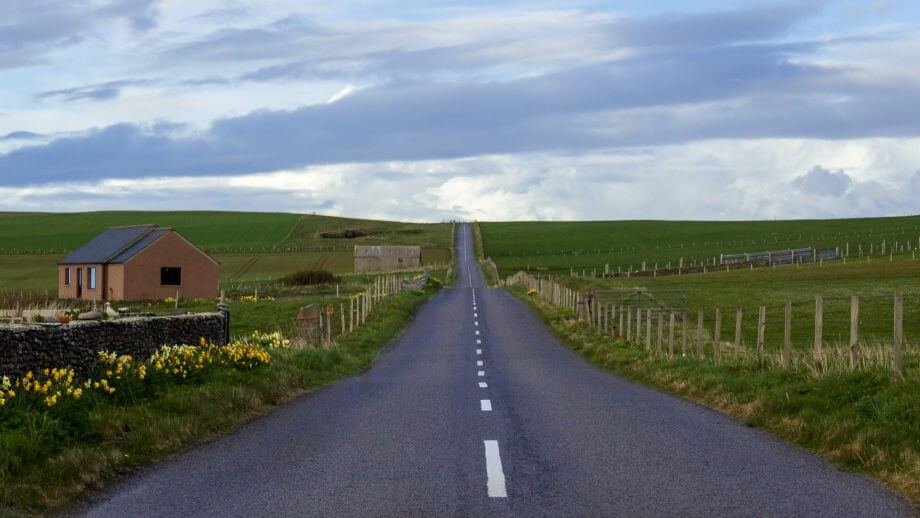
<point x="256" y="298"/>
<point x="51" y="387"/>
<point x="268" y="340"/>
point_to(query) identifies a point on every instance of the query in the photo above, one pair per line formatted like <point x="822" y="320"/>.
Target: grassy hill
<point x="561" y="246"/>
<point x="251" y="247"/>
<point x="557" y="248"/>
<point x="213" y="231"/>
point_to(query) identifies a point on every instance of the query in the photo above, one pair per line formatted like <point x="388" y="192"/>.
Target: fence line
<point x="316" y="324"/>
<point x="634" y="323"/>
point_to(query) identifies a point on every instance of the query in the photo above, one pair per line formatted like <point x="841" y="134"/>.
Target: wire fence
<point x="825" y="333"/>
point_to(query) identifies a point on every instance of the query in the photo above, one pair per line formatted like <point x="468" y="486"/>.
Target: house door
<point x="79" y="283"/>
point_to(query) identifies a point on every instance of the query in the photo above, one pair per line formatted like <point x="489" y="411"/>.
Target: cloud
<point x="709" y="180"/>
<point x="706" y="29"/>
<point x="735" y="92"/>
<point x="94" y="92"/>
<point x="33" y="28"/>
<point x="823" y="182"/>
<point x="21" y="135"/>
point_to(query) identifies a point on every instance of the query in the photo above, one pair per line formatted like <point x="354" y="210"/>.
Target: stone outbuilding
<point x="386" y="258"/>
<point x="143" y="262"/>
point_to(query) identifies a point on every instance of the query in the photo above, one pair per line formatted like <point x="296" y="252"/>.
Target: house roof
<point x="116" y="245"/>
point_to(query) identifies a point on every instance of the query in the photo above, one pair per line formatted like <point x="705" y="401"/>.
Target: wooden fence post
<point x="648" y="329"/>
<point x="854" y="329"/>
<point x="738" y="317"/>
<point x="761" y="328"/>
<point x="620" y="326"/>
<point x="351" y="314"/>
<point x="898" y="332"/>
<point x="685" y="326"/>
<point x="787" y="337"/>
<point x="343" y="329"/>
<point x="819" y="327"/>
<point x="660" y="331"/>
<point x="717" y="338"/>
<point x="628" y="323"/>
<point x="671" y="336"/>
<point x="699" y="334"/>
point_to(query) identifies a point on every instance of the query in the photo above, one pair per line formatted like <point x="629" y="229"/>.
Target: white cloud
<point x="748" y="179"/>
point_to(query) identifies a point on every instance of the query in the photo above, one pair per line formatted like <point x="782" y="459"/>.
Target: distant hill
<point x="214" y="231"/>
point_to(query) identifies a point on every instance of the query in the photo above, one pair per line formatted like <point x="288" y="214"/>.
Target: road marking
<point x="479" y="363"/>
<point x="478" y="341"/>
<point x="486" y="405"/>
<point x="483" y="384"/>
<point x="475" y="315"/>
<point x="476" y="323"/>
<point x="477" y="331"/>
<point x="481" y="373"/>
<point x="478" y="351"/>
<point x="494" y="474"/>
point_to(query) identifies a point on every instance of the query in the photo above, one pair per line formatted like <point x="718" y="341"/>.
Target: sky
<point x="489" y="110"/>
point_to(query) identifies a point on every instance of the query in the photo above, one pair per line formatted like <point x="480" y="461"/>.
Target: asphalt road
<point x="539" y="432"/>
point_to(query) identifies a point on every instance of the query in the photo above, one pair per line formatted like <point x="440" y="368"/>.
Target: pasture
<point x="517" y="246"/>
<point x="252" y="248"/>
<point x="559" y="247"/>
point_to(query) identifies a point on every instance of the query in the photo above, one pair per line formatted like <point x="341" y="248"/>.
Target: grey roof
<point x="115" y="245"/>
<point x="139" y="245"/>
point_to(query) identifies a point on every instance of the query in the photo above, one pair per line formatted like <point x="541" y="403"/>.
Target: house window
<point x="66" y="276"/>
<point x="92" y="278"/>
<point x="170" y="276"/>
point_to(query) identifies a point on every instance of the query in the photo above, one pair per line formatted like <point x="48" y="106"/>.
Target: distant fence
<point x="791" y="256"/>
<point x="842" y="333"/>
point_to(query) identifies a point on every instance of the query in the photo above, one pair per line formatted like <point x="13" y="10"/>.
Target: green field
<point x="557" y="247"/>
<point x="516" y="246"/>
<point x="251" y="247"/>
<point x="214" y="231"/>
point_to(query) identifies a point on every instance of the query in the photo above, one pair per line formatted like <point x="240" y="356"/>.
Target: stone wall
<point x="77" y="344"/>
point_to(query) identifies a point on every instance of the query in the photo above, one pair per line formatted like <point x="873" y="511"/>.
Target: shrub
<point x="310" y="277"/>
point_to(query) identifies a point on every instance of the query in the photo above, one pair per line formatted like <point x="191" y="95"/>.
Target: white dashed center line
<point x="478" y="341"/>
<point x="477" y="331"/>
<point x="483" y="384"/>
<point x="475" y="315"/>
<point x="494" y="473"/>
<point x="481" y="373"/>
<point x="478" y="351"/>
<point x="479" y="363"/>
<point x="486" y="405"/>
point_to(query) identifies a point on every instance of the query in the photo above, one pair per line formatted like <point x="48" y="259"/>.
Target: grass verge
<point x="116" y="436"/>
<point x="866" y="421"/>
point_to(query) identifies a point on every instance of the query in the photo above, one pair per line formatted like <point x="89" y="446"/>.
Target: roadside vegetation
<point x="866" y="421"/>
<point x="53" y="454"/>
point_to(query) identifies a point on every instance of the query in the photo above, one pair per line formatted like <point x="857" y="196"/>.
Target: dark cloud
<point x="823" y="182"/>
